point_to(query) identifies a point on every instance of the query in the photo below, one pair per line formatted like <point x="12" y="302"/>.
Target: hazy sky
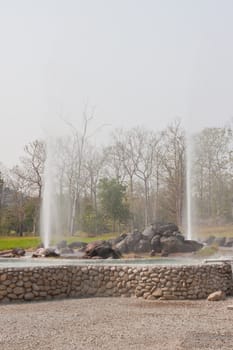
<point x="139" y="62"/>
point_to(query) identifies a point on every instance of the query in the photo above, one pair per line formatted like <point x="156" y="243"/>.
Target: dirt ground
<point x="116" y="323"/>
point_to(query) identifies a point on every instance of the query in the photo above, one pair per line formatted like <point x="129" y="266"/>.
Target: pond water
<point x="37" y="262"/>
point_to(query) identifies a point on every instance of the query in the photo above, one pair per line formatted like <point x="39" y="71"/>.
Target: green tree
<point x="113" y="201"/>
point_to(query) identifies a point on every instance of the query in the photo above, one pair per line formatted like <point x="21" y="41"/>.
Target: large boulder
<point x="149" y="233"/>
<point x="48" y="253"/>
<point x="101" y="249"/>
<point x="191" y="246"/>
<point x="160" y="227"/>
<point x="132" y="240"/>
<point x="174" y="244"/>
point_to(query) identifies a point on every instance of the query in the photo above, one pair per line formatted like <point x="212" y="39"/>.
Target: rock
<point x="149" y="233"/>
<point x="161" y="228"/>
<point x="229" y="242"/>
<point x="29" y="296"/>
<point x="122" y="247"/>
<point x="230" y="307"/>
<point x="156" y="244"/>
<point x="191" y="246"/>
<point x="118" y="239"/>
<point x="101" y="250"/>
<point x="42" y="252"/>
<point x="159" y="237"/>
<point x="18" y="252"/>
<point x="157" y="293"/>
<point x="91" y="246"/>
<point x="171" y="244"/>
<point x="132" y="240"/>
<point x="217" y="296"/>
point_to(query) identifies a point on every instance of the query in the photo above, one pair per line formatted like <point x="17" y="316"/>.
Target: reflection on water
<point x="30" y="262"/>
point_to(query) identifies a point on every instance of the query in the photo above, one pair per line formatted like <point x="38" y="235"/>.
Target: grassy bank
<point x="7" y="243"/>
<point x="217" y="231"/>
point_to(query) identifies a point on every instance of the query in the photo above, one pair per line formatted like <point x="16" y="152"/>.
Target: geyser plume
<point x="49" y="217"/>
<point x="188" y="187"/>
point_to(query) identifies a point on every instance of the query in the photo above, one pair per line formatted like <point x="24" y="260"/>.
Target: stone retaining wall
<point x="149" y="282"/>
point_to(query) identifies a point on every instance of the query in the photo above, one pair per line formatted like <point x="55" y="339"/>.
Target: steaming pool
<point x="44" y="262"/>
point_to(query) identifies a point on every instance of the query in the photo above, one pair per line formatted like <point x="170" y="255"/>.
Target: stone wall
<point x="149" y="282"/>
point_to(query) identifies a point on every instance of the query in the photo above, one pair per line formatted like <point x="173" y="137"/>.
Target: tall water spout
<point x="188" y="188"/>
<point x="46" y="209"/>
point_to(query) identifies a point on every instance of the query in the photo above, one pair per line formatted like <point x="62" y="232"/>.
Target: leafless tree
<point x="173" y="161"/>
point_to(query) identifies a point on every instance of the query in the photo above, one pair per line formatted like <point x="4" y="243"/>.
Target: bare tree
<point x="32" y="166"/>
<point x="77" y="157"/>
<point x="173" y="161"/>
<point x="213" y="173"/>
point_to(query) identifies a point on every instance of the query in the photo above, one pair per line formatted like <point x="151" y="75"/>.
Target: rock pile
<point x="158" y="238"/>
<point x="12" y="253"/>
<point x="219" y="241"/>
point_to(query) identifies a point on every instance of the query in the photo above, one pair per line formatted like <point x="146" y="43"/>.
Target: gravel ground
<point x="116" y="323"/>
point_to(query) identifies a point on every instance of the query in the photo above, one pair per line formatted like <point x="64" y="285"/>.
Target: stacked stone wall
<point x="148" y="282"/>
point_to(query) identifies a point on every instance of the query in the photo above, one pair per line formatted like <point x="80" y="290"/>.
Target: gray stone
<point x="217" y="296"/>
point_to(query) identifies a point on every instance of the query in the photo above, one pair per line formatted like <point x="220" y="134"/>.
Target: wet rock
<point x="42" y="252"/>
<point x="101" y="249"/>
<point x="18" y="252"/>
<point x="51" y="252"/>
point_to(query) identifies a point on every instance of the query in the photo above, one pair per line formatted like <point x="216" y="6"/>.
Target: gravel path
<point x="116" y="323"/>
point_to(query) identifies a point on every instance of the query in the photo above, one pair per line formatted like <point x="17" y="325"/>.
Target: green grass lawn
<point x="7" y="243"/>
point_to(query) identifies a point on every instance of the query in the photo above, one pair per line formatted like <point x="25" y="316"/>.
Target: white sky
<point x="139" y="62"/>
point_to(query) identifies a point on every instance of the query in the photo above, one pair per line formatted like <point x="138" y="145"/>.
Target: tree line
<point x="138" y="178"/>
